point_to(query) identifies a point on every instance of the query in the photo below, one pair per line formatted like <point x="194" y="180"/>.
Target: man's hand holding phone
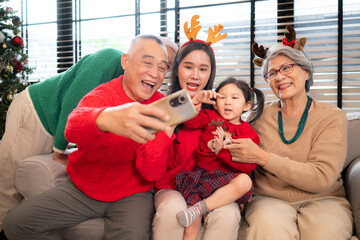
<point x="131" y="120"/>
<point x="178" y="106"/>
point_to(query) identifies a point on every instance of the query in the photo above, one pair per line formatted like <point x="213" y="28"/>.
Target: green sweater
<point x="56" y="97"/>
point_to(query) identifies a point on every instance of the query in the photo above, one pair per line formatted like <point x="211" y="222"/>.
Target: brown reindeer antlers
<point x="291" y="34"/>
<point x="260" y="52"/>
<point x="290" y="39"/>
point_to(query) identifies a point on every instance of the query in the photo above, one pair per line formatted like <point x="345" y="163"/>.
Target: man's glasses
<point x="284" y="70"/>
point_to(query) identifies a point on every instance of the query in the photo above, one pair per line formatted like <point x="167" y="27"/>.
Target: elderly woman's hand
<point x="244" y="150"/>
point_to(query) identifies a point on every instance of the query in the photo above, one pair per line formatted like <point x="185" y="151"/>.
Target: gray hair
<point x="147" y="36"/>
<point x="170" y="44"/>
<point x="298" y="57"/>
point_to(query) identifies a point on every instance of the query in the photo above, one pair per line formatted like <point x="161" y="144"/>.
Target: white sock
<point x="187" y="216"/>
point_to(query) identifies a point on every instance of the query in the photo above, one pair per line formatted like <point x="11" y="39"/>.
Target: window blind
<point x="351" y="56"/>
<point x="332" y="28"/>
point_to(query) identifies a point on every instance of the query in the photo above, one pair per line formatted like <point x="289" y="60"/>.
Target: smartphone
<point x="178" y="106"/>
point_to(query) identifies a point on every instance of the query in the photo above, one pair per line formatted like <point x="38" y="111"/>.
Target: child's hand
<point x="205" y="96"/>
<point x="219" y="139"/>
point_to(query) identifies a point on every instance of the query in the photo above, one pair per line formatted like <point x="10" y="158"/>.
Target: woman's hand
<point x="244" y="150"/>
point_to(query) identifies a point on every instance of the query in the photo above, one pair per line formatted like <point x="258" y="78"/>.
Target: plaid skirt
<point x="200" y="184"/>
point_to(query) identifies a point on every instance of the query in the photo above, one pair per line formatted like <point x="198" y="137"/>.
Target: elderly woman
<point x="298" y="189"/>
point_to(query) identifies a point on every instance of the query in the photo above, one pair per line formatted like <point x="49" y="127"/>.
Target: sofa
<point x="39" y="173"/>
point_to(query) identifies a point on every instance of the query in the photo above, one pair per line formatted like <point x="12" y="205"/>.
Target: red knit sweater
<point x="180" y="156"/>
<point x="205" y="158"/>
<point x="107" y="167"/>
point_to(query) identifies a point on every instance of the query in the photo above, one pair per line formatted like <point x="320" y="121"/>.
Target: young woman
<point x="194" y="70"/>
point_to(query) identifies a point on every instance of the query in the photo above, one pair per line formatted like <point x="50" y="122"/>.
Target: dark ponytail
<point x="257" y="107"/>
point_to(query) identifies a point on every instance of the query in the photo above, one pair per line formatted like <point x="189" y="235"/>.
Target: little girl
<point x="215" y="170"/>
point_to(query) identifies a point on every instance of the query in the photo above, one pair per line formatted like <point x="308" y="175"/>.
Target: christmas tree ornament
<point x="9" y="10"/>
<point x="17" y="66"/>
<point x="16" y="21"/>
<point x="4" y="45"/>
<point x="18" y="41"/>
<point x="2" y="37"/>
<point x="9" y="68"/>
<point x="10" y="97"/>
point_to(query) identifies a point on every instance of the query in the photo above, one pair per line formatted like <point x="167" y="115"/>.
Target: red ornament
<point x="17" y="66"/>
<point x="9" y="10"/>
<point x="18" y="41"/>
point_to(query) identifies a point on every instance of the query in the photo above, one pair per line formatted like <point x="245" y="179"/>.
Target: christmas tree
<point x="13" y="61"/>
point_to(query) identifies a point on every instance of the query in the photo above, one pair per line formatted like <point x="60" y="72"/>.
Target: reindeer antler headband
<point x="192" y="31"/>
<point x="288" y="40"/>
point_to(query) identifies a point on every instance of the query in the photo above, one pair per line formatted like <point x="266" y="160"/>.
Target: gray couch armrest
<point x="37" y="174"/>
<point x="352" y="186"/>
<point x="353" y="125"/>
<point x="352" y="176"/>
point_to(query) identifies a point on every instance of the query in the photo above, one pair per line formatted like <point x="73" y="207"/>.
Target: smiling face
<point x="145" y="67"/>
<point x="290" y="85"/>
<point x="232" y="103"/>
<point x="194" y="71"/>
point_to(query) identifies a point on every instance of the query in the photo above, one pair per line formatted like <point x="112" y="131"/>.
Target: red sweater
<point x="180" y="156"/>
<point x="107" y="167"/>
<point x="209" y="120"/>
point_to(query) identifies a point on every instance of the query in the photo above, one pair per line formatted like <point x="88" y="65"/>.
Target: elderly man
<point x="117" y="160"/>
<point x="37" y="116"/>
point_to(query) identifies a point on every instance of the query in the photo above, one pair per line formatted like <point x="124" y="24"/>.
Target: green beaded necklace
<point x="300" y="126"/>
